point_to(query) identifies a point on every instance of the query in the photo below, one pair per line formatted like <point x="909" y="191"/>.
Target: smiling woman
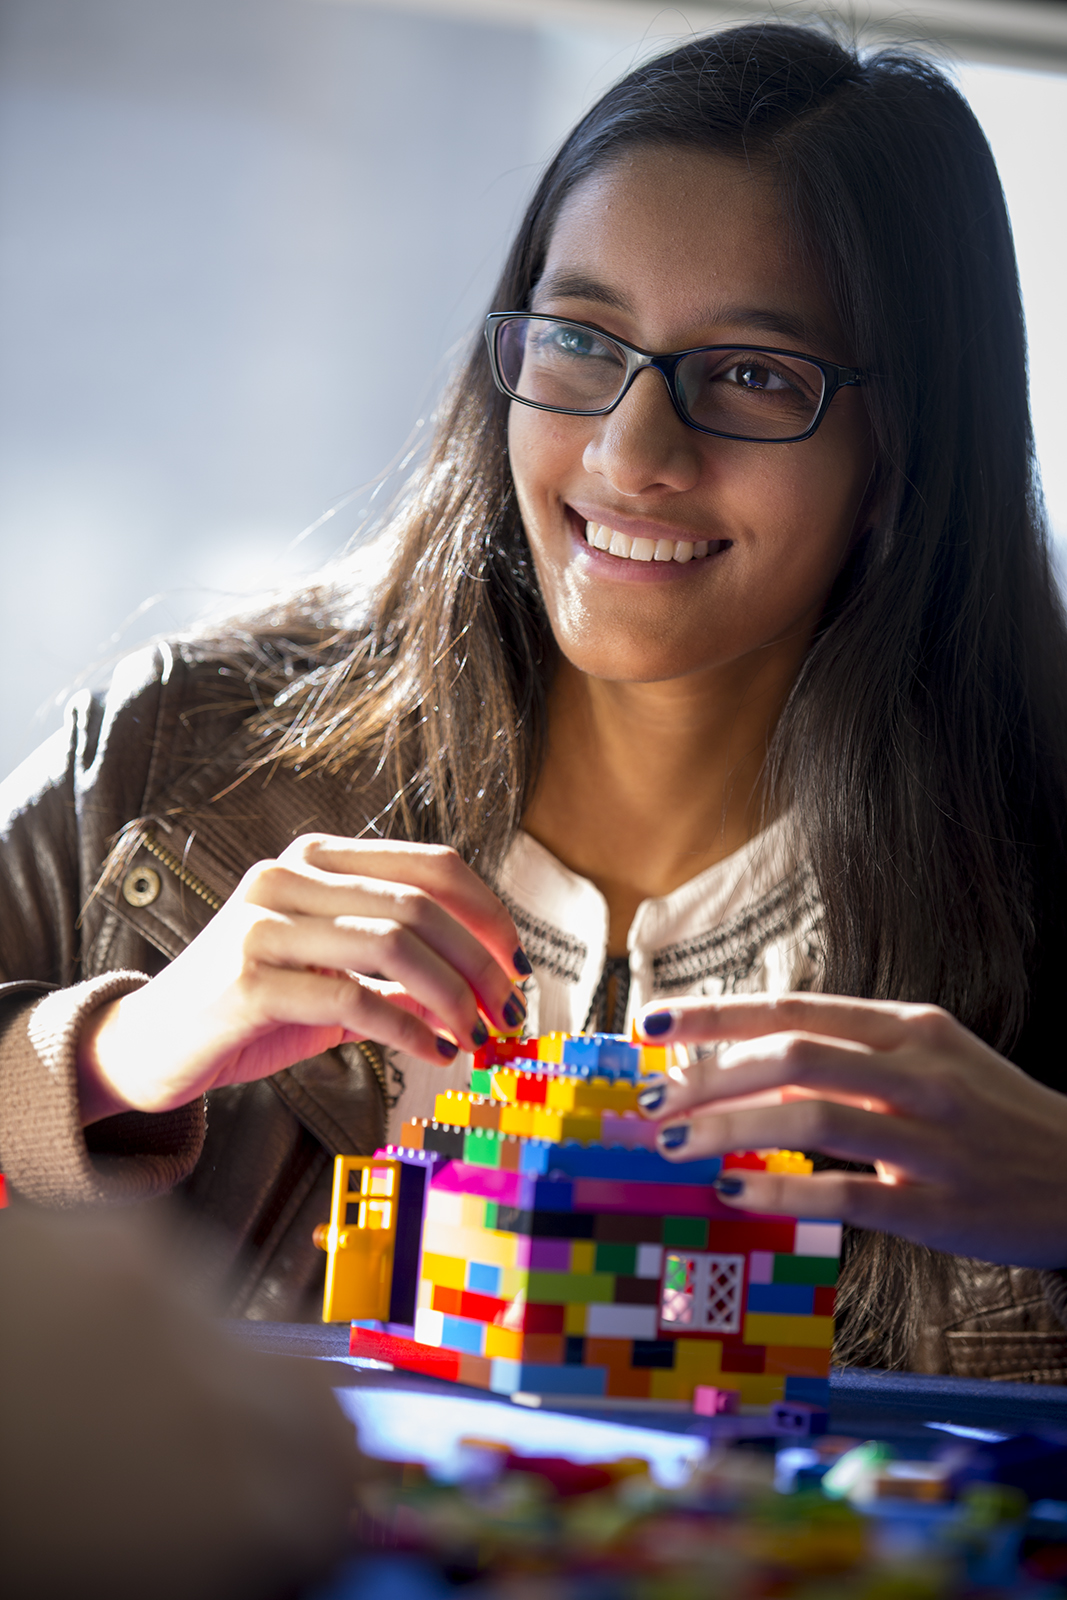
<point x="718" y="659"/>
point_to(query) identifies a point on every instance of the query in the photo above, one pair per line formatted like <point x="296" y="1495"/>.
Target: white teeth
<point x="601" y="537"/>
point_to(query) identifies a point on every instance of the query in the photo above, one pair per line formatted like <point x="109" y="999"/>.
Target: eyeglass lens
<point x="750" y="394"/>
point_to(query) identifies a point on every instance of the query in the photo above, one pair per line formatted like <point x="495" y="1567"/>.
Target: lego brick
<point x="820" y="1270"/>
<point x="618" y="1228"/>
<point x="573" y="1317"/>
<point x="537" y="1379"/>
<point x="503" y="1085"/>
<point x="616" y="1258"/>
<point x="606" y="1054"/>
<point x="759" y="1388"/>
<point x="518" y="1119"/>
<point x="668" y="1199"/>
<point x="408" y="1354"/>
<point x="658" y="1353"/>
<point x="550" y="1048"/>
<point x="770" y="1329"/>
<point x="628" y="1128"/>
<point x="545" y="1349"/>
<point x="480" y="1080"/>
<point x="825" y="1299"/>
<point x="605" y="1351"/>
<point x="448" y="1271"/>
<point x="583" y="1256"/>
<point x="411" y="1134"/>
<point x="503" y="1343"/>
<point x="628" y="1383"/>
<point x="506" y="1188"/>
<point x="453" y="1108"/>
<point x="560" y="1126"/>
<point x="770" y="1233"/>
<point x="791" y="1299"/>
<point x="447" y="1142"/>
<point x="654" y="1061"/>
<point x="649" y="1263"/>
<point x="761" y="1267"/>
<point x="447" y="1301"/>
<point x="813" y="1391"/>
<point x="634" y="1291"/>
<point x="429" y="1327"/>
<point x="710" y="1401"/>
<point x="621" y="1322"/>
<point x="475" y="1370"/>
<point x="485" y="1147"/>
<point x="817" y="1239"/>
<point x="669" y="1386"/>
<point x="530" y="1088"/>
<point x="567" y="1288"/>
<point x="485" y="1114"/>
<point x="553" y="1194"/>
<point x="545" y="1319"/>
<point x="636" y="1166"/>
<point x="482" y="1279"/>
<point x="574" y="1351"/>
<point x="738" y="1357"/>
<point x="546" y="1224"/>
<point x="481" y="1307"/>
<point x="494" y="1249"/>
<point x="689" y="1232"/>
<point x="459" y="1334"/>
<point x="361" y="1239"/>
<point x="800" y="1361"/>
<point x="698" y="1359"/>
<point x="550" y="1255"/>
<point x="798" y="1418"/>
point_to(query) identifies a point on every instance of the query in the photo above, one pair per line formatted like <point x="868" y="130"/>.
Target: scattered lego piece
<point x="709" y="1401"/>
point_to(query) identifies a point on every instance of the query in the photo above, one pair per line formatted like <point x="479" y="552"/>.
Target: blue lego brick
<point x="540" y="1378"/>
<point x="603" y="1055"/>
<point x="553" y="1194"/>
<point x="792" y="1299"/>
<point x="535" y="1157"/>
<point x="458" y="1333"/>
<point x="631" y="1166"/>
<point x="482" y="1279"/>
<point x="813" y="1391"/>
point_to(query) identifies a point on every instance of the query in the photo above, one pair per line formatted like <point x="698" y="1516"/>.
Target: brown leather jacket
<point x="90" y="905"/>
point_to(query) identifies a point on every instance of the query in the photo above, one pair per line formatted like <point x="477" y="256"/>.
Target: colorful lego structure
<point x="530" y="1237"/>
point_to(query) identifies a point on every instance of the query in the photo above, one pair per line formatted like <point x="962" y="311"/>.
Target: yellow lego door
<point x="360" y="1240"/>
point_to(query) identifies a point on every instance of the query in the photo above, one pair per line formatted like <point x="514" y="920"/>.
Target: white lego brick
<point x="425" y="1299"/>
<point x="649" y="1260"/>
<point x="621" y="1322"/>
<point x="445" y="1207"/>
<point x="818" y="1239"/>
<point x="429" y="1327"/>
<point x="504" y="1375"/>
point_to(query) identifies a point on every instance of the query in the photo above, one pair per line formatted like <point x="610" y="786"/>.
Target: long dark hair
<point x="923" y="748"/>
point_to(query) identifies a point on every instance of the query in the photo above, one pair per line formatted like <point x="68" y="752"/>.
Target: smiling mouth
<point x="619" y="544"/>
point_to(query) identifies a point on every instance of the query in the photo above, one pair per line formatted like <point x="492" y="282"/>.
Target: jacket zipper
<point x="371" y="1053"/>
<point x="190" y="880"/>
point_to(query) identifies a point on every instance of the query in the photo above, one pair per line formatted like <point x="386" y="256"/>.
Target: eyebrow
<point x="775" y="320"/>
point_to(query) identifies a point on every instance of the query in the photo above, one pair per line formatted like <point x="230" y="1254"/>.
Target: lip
<point x="623" y="569"/>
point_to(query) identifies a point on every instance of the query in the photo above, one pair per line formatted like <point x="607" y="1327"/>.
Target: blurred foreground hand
<point x="141" y="1453"/>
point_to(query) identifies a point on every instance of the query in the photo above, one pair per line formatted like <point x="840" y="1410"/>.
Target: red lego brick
<point x="738" y="1238"/>
<point x="742" y="1357"/>
<point x="542" y="1319"/>
<point x="404" y="1353"/>
<point x="744" y="1161"/>
<point x="824" y="1301"/>
<point x="531" y="1088"/>
<point x="660" y="1199"/>
<point x="482" y="1307"/>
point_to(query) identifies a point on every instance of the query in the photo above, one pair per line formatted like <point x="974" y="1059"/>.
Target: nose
<point x="643" y="445"/>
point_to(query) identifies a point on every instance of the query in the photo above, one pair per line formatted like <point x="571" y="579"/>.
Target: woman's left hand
<point x="970" y="1153"/>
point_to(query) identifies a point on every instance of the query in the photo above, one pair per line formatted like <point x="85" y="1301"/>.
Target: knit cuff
<point x="45" y="1153"/>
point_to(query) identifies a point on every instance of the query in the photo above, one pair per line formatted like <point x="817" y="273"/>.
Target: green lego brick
<point x="805" y="1269"/>
<point x="571" y="1288"/>
<point x="621" y="1258"/>
<point x="481" y="1147"/>
<point x="481" y="1081"/>
<point x="687" y="1231"/>
<point x="491" y="1208"/>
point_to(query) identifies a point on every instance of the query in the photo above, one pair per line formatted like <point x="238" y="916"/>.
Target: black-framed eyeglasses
<point x="735" y="391"/>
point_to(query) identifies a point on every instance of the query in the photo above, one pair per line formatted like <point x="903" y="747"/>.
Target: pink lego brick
<point x="659" y="1199"/>
<point x="629" y="1129"/>
<point x="761" y="1266"/>
<point x="711" y="1402"/>
<point x="488" y="1183"/>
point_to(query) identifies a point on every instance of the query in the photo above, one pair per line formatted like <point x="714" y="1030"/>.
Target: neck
<point x="645" y="785"/>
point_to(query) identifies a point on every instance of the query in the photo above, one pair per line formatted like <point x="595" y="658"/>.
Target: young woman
<point x="719" y="660"/>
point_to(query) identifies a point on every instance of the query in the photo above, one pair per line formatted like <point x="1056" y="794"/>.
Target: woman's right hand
<point x="339" y="939"/>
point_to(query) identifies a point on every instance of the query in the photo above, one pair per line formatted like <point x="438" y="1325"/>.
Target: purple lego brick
<point x="550" y="1255"/>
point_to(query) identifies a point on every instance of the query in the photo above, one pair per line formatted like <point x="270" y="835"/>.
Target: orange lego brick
<point x="610" y="1353"/>
<point x="797" y="1361"/>
<point x="630" y="1383"/>
<point x="544" y="1348"/>
<point x="476" y="1371"/>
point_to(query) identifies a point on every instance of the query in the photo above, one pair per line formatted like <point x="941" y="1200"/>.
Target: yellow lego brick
<point x="502" y="1084"/>
<point x="503" y="1342"/>
<point x="698" y="1359"/>
<point x="574" y="1318"/>
<point x="518" y="1119"/>
<point x="448" y="1271"/>
<point x="452" y="1108"/>
<point x="583" y="1255"/>
<point x="550" y="1047"/>
<point x="472" y="1244"/>
<point x="788" y="1161"/>
<point x="772" y="1327"/>
<point x="756" y="1388"/>
<point x="667" y="1385"/>
<point x="513" y="1282"/>
<point x="653" y="1059"/>
<point x="472" y="1211"/>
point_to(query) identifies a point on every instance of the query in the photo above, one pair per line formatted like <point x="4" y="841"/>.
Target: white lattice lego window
<point x="702" y="1292"/>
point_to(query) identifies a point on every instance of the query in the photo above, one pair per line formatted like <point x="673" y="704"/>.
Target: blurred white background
<point x="241" y="240"/>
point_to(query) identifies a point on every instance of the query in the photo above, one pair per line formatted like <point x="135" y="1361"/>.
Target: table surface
<point x="888" y="1405"/>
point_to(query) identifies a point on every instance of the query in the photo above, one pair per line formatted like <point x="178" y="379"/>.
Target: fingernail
<point x="521" y="962"/>
<point x="657" y="1023"/>
<point x="728" y="1185"/>
<point x="674" y="1138"/>
<point x="480" y="1034"/>
<point x="446" y="1048"/>
<point x="514" y="1010"/>
<point x="652" y="1098"/>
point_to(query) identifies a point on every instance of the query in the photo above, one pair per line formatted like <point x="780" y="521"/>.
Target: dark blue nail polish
<point x="514" y="1010"/>
<point x="674" y="1138"/>
<point x="480" y="1034"/>
<point x="729" y="1185"/>
<point x="657" y="1022"/>
<point x="521" y="962"/>
<point x="446" y="1048"/>
<point x="652" y="1098"/>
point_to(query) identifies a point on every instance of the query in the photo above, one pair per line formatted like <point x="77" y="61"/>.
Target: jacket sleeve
<point x="56" y="812"/>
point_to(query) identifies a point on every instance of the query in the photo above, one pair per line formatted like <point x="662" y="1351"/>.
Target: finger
<point x="853" y="1197"/>
<point x="878" y="1024"/>
<point x="308" y="892"/>
<point x="844" y="1132"/>
<point x="360" y="1008"/>
<point x="849" y="1073"/>
<point x="437" y="870"/>
<point x="373" y="948"/>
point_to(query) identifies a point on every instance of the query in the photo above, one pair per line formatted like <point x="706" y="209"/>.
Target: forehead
<point x="681" y="241"/>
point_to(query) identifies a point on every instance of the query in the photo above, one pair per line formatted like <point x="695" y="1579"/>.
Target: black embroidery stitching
<point x="731" y="950"/>
<point x="550" y="949"/>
